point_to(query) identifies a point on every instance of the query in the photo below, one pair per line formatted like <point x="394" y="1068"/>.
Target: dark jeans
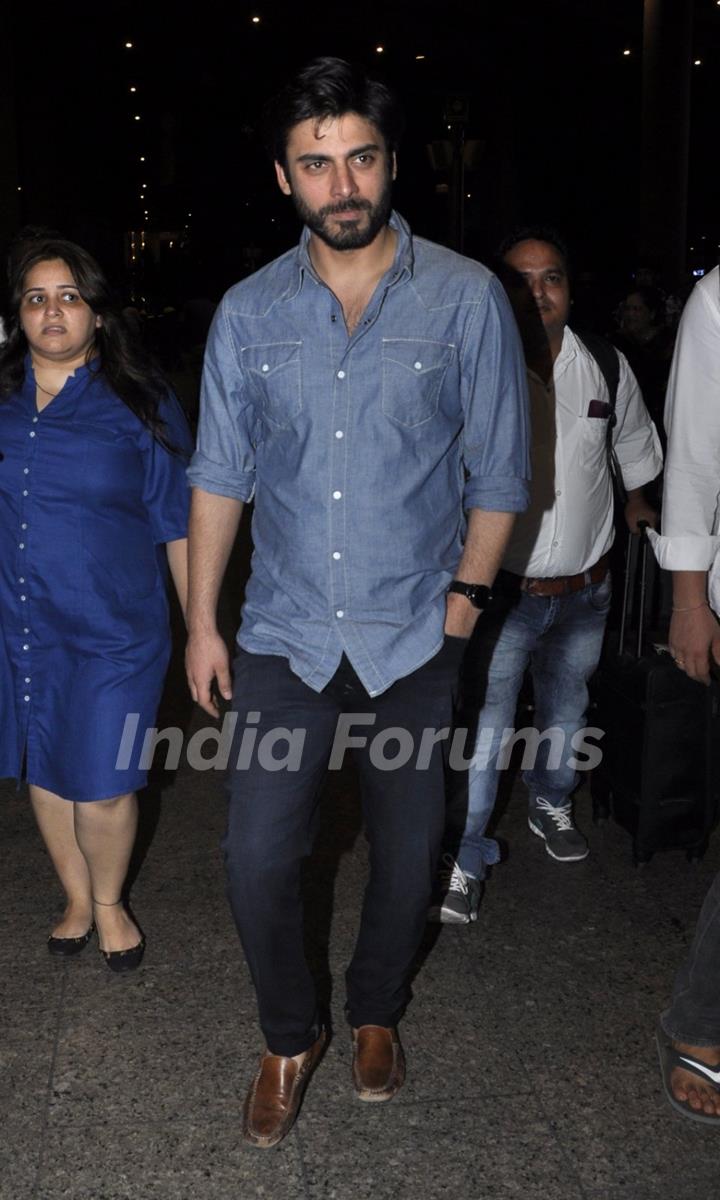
<point x="694" y="1014"/>
<point x="270" y="825"/>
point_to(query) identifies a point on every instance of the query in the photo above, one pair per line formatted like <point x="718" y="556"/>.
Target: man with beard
<point x="365" y="389"/>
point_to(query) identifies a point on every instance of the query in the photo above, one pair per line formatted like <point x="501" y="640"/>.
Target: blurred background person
<point x="688" y="1034"/>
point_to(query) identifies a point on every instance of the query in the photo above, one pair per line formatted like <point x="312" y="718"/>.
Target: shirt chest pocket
<point x="593" y="442"/>
<point x="412" y="376"/>
<point x="275" y="372"/>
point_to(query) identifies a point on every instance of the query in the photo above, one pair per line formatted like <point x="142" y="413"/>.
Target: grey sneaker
<point x="554" y="823"/>
<point x="457" y="895"/>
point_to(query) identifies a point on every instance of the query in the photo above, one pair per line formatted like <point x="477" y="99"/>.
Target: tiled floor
<point x="531" y="1066"/>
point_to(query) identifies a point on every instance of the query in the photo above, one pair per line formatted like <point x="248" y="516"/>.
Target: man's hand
<point x="695" y="642"/>
<point x="637" y="509"/>
<point x="207" y="659"/>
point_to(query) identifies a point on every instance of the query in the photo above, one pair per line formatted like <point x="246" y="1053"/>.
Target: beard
<point x="350" y="235"/>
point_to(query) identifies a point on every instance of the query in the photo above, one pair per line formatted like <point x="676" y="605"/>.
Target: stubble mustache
<point x="330" y="210"/>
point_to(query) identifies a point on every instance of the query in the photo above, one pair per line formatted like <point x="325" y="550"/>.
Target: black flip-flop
<point x="671" y="1058"/>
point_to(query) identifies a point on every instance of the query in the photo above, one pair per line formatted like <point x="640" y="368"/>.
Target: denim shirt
<point x="361" y="451"/>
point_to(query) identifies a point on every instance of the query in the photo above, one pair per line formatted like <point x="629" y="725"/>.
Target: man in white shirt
<point x="688" y="1035"/>
<point x="553" y="594"/>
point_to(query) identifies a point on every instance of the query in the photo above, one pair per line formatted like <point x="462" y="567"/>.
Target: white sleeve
<point x="635" y="438"/>
<point x="692" y="420"/>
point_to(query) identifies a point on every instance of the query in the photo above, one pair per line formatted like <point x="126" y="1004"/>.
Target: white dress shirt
<point x="569" y="524"/>
<point x="691" y="523"/>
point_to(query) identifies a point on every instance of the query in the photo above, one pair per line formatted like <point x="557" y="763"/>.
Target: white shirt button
<point x="337" y="554"/>
<point x="27" y="678"/>
<point x="559" y="492"/>
<point x="340" y="613"/>
<point x="32" y="433"/>
<point x="23" y="597"/>
<point x="339" y="433"/>
<point x="21" y="545"/>
<point x="21" y="579"/>
<point x="418" y="366"/>
<point x="26" y="698"/>
<point x="26" y="470"/>
<point x="35" y="420"/>
<point x="341" y="374"/>
<point x="26" y="630"/>
<point x="24" y="525"/>
<point x="265" y="367"/>
<point x="556" y="543"/>
<point x="337" y="495"/>
<point x="25" y="492"/>
<point x="25" y="646"/>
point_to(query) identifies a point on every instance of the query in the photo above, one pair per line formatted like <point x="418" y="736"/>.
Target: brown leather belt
<point x="562" y="585"/>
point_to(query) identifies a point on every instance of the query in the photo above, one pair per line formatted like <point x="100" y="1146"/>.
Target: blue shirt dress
<point x="87" y="497"/>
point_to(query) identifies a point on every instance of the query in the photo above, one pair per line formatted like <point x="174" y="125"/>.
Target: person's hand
<point x="637" y="509"/>
<point x="207" y="659"/>
<point x="694" y="642"/>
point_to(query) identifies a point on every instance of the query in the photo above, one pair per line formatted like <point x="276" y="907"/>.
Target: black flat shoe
<point x="120" y="961"/>
<point x="61" y="947"/>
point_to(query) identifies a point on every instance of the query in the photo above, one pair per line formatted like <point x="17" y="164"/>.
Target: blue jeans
<point x="560" y="638"/>
<point x="694" y="1014"/>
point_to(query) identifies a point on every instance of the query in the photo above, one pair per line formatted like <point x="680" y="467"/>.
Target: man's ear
<point x="282" y="179"/>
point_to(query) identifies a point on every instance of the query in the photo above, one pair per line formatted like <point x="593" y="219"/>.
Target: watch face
<point x="477" y="593"/>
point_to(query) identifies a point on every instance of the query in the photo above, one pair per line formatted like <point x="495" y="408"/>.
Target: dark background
<point x="553" y="101"/>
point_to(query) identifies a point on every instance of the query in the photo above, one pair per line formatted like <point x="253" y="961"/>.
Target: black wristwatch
<point x="478" y="594"/>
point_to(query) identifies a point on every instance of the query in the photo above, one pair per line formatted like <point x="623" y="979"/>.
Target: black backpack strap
<point x="606" y="357"/>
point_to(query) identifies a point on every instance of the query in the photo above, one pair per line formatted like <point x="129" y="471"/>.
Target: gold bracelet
<point x="692" y="608"/>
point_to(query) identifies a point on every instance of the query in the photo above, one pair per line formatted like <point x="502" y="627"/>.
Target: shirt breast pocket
<point x="413" y="371"/>
<point x="275" y="370"/>
<point x="593" y="431"/>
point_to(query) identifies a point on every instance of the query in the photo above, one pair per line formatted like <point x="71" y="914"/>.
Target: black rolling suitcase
<point x="661" y="750"/>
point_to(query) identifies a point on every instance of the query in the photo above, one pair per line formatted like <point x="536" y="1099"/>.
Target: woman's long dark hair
<point x="121" y="358"/>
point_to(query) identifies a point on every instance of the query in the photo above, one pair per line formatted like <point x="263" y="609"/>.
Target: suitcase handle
<point x="643" y="526"/>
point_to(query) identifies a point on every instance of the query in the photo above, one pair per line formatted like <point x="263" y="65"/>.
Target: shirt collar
<point x="403" y="263"/>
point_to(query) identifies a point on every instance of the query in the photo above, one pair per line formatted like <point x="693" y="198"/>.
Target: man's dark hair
<point x="331" y="87"/>
<point x="532" y="233"/>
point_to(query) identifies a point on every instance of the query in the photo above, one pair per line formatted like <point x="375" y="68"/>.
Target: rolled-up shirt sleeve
<point x="495" y="404"/>
<point x="224" y="461"/>
<point x="689" y="540"/>
<point x="635" y="438"/>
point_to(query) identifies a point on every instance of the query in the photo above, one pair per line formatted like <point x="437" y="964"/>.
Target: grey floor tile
<point x="156" y="1045"/>
<point x="25" y="1066"/>
<point x="20" y="1150"/>
<point x="612" y="1120"/>
<point x="31" y="983"/>
<point x="195" y="1159"/>
<point x="373" y="1151"/>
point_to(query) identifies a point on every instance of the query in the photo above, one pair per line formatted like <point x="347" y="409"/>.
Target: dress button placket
<point x="23" y="543"/>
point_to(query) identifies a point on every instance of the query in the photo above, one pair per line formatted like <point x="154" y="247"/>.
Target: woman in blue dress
<point x="93" y="505"/>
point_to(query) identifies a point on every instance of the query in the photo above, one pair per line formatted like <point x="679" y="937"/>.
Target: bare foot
<point x="116" y="928"/>
<point x="75" y="921"/>
<point x="689" y="1086"/>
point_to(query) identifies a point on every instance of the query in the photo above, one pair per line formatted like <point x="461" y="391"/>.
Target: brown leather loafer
<point x="378" y="1067"/>
<point x="272" y="1103"/>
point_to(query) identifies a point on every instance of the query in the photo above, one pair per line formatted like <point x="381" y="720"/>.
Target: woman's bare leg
<point x="105" y="833"/>
<point x="56" y="822"/>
